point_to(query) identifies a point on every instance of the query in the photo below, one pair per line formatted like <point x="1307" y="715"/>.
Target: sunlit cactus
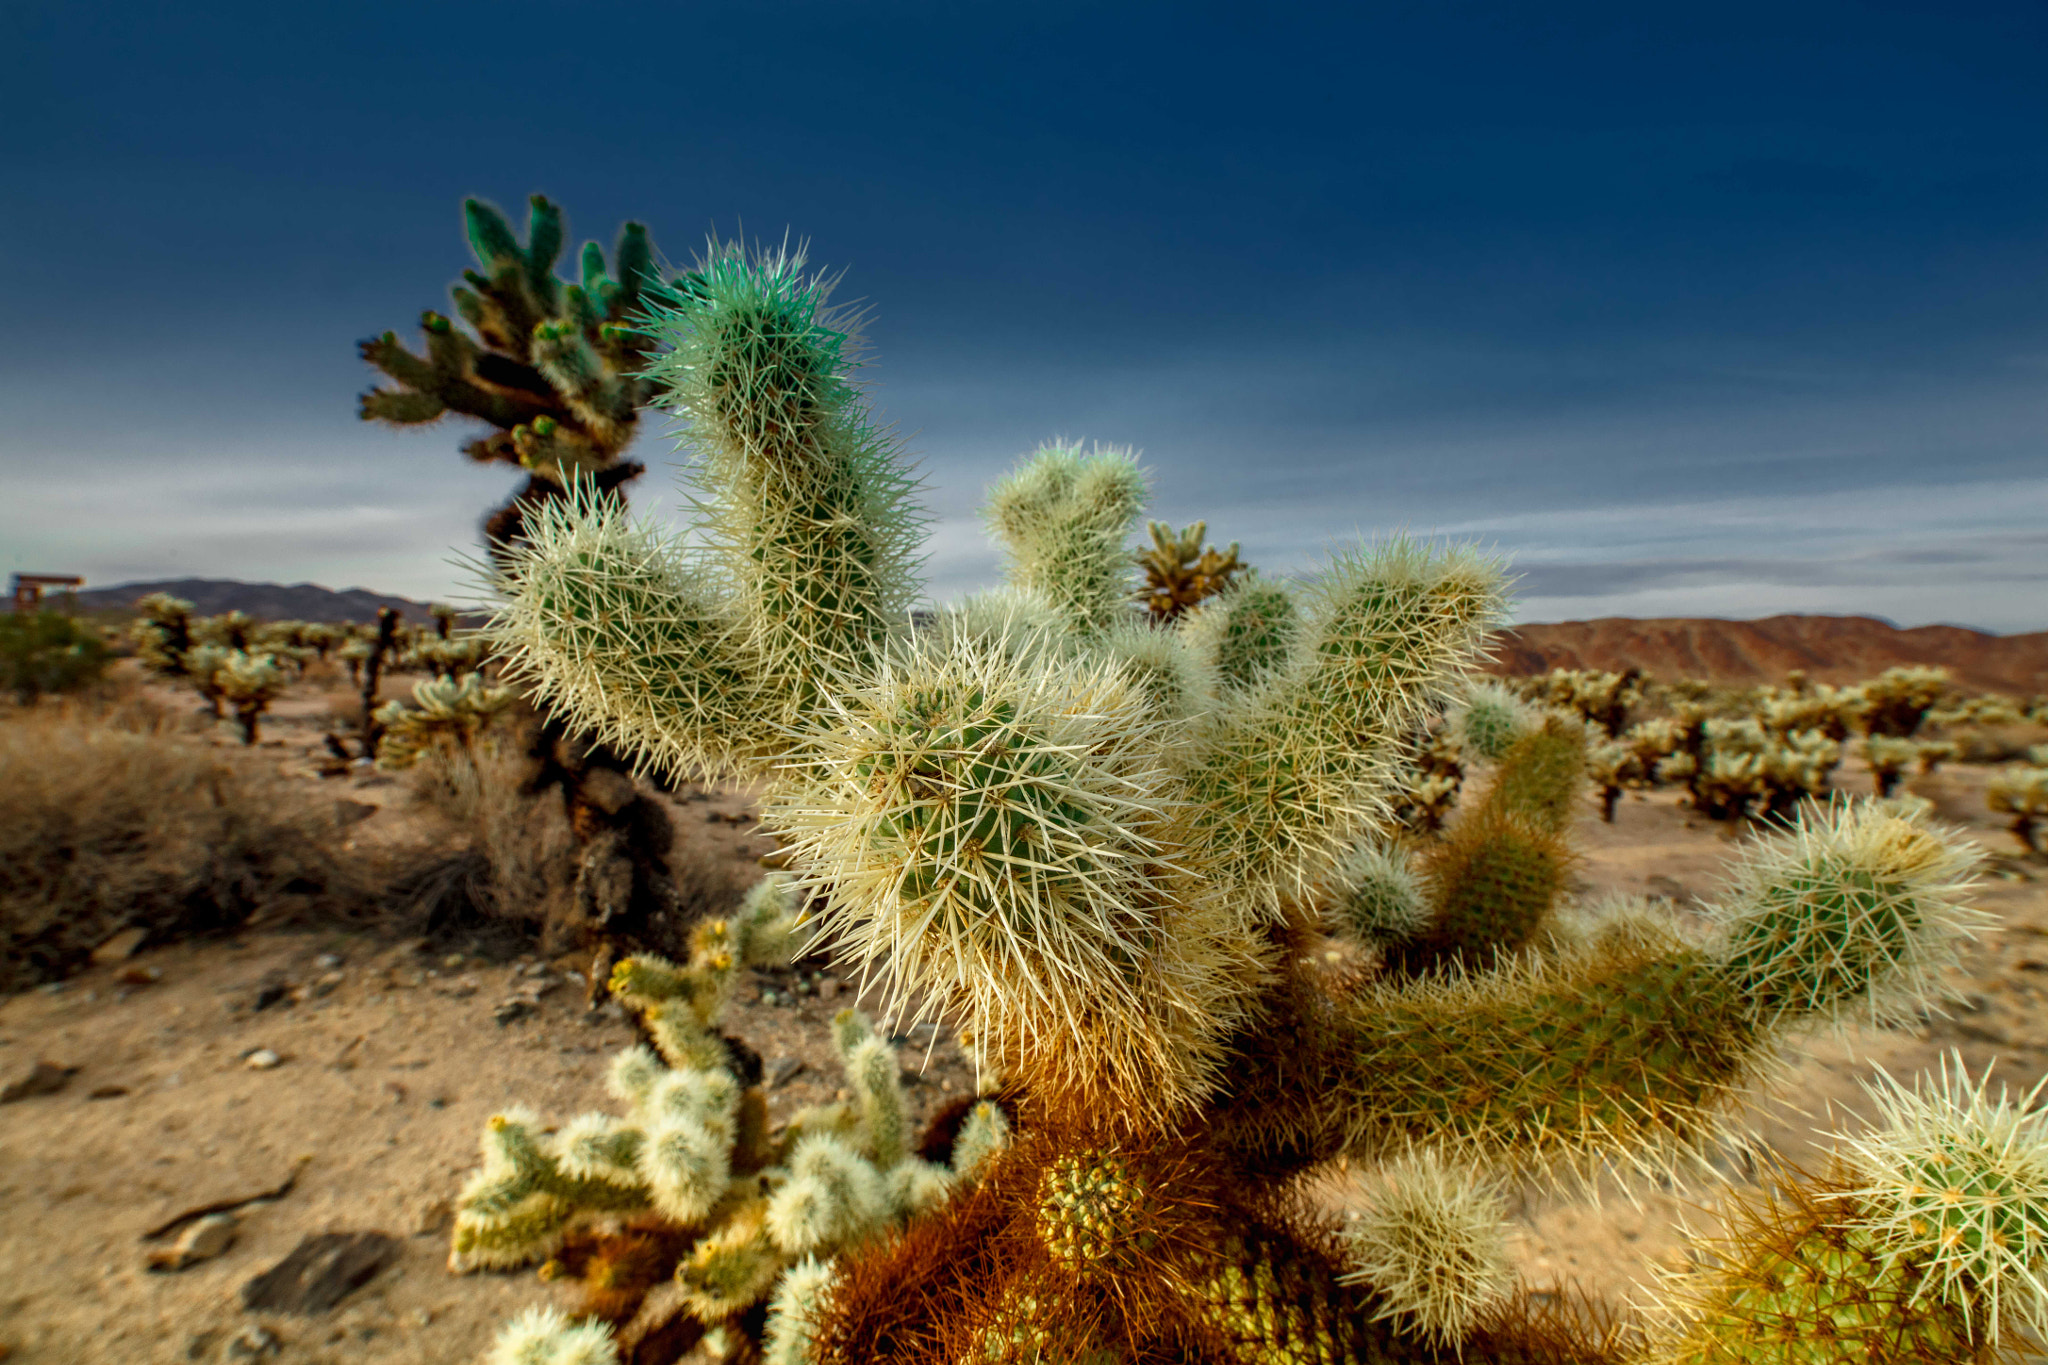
<point x="2021" y="792"/>
<point x="1118" y="887"/>
<point x="1928" y="1242"/>
<point x="1064" y="515"/>
<point x="445" y="715"/>
<point x="683" y="1214"/>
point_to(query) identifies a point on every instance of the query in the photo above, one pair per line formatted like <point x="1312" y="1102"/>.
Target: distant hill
<point x="1832" y="649"/>
<point x="1836" y="649"/>
<point x="264" y="601"/>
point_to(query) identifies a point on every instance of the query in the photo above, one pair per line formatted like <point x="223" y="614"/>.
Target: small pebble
<point x="262" y="1059"/>
<point x="327" y="962"/>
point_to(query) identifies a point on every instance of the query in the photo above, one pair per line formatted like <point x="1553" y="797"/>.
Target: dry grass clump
<point x="518" y="862"/>
<point x="514" y="865"/>
<point x="109" y="820"/>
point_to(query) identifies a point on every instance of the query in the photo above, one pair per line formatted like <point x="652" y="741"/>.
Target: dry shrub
<point x="110" y="820"/>
<point x="514" y="872"/>
<point x="519" y="863"/>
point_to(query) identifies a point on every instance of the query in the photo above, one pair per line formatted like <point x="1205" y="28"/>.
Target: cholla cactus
<point x="1745" y="770"/>
<point x="248" y="683"/>
<point x="2022" y="793"/>
<point x="445" y="714"/>
<point x="551" y="367"/>
<point x="1598" y="696"/>
<point x="1181" y="572"/>
<point x="1899" y="699"/>
<point x="1927" y="1243"/>
<point x="1064" y="515"/>
<point x="1114" y="888"/>
<point x="162" y="634"/>
<point x="452" y="658"/>
<point x="1888" y="758"/>
<point x="681" y="1215"/>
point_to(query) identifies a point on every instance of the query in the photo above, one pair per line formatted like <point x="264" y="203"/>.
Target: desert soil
<point x="390" y="1060"/>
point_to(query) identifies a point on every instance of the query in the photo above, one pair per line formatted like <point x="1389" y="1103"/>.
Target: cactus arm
<point x="1245" y="631"/>
<point x="1064" y="516"/>
<point x="807" y="506"/>
<point x="609" y="623"/>
<point x="1298" y="767"/>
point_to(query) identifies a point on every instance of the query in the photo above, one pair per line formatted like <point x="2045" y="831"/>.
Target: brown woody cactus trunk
<point x="625" y="889"/>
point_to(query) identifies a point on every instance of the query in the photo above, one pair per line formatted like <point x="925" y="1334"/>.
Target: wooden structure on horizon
<point x="28" y="588"/>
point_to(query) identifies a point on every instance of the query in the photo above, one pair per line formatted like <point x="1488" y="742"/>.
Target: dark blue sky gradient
<point x="1723" y="311"/>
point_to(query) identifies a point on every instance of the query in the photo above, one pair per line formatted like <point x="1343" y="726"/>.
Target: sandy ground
<point x="391" y="1062"/>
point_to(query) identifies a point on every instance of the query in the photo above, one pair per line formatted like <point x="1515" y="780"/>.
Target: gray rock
<point x="321" y="1272"/>
<point x="44" y="1078"/>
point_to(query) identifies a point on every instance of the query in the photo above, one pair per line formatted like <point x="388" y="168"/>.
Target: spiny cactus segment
<point x="1928" y="1242"/>
<point x="1063" y="516"/>
<point x="1434" y="1243"/>
<point x="698" y="1192"/>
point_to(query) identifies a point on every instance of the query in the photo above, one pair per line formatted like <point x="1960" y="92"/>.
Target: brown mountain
<point x="264" y="601"/>
<point x="1834" y="649"/>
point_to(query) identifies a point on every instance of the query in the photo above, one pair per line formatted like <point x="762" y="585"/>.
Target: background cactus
<point x="558" y="372"/>
<point x="445" y="712"/>
<point x="1181" y="572"/>
<point x="1115" y="886"/>
<point x="2021" y="792"/>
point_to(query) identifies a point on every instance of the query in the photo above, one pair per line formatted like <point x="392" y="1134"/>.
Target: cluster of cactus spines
<point x="805" y="501"/>
<point x="807" y="543"/>
<point x="1850" y="916"/>
<point x="1926" y="1242"/>
<point x="1064" y="515"/>
<point x="445" y="715"/>
<point x="1002" y="828"/>
<point x="1487" y="718"/>
<point x="1245" y="631"/>
<point x="547" y="1336"/>
<point x="1378" y="895"/>
<point x="690" y="1192"/>
<point x="553" y="366"/>
<point x="1434" y="1243"/>
<point x="998" y="844"/>
<point x="1180" y="571"/>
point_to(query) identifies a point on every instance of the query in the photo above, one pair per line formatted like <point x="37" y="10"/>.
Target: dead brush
<point x="109" y="820"/>
<point x="513" y="866"/>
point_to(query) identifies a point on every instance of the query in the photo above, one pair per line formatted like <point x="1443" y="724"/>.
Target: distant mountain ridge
<point x="1836" y="649"/>
<point x="1832" y="649"/>
<point x="264" y="601"/>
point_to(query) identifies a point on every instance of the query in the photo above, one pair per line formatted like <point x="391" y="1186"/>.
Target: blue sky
<point x="1720" y="310"/>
